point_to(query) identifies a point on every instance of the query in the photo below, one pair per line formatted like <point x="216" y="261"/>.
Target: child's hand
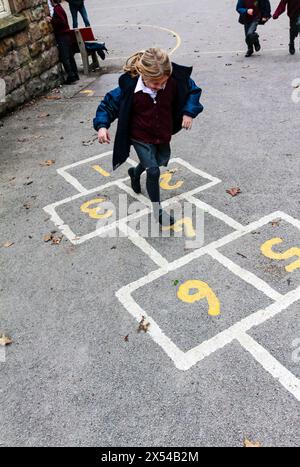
<point x="48" y="19"/>
<point x="103" y="136"/>
<point x="187" y="122"/>
<point x="250" y="11"/>
<point x="264" y="20"/>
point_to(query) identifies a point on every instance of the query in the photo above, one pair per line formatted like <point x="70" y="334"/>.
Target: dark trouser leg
<point x="251" y="35"/>
<point x="84" y="15"/>
<point x="293" y="35"/>
<point x="67" y="57"/>
<point x="152" y="184"/>
<point x="74" y="13"/>
<point x="139" y="169"/>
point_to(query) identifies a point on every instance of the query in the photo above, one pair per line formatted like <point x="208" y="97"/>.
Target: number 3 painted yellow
<point x="267" y="250"/>
<point x="94" y="212"/>
<point x="203" y="291"/>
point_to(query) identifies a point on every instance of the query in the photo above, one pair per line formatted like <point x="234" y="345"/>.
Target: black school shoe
<point x="135" y="182"/>
<point x="257" y="46"/>
<point x="165" y="220"/>
<point x="249" y="53"/>
<point x="70" y="81"/>
<point x="292" y="48"/>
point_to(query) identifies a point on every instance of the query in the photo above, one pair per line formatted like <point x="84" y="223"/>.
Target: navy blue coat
<point x="118" y="104"/>
<point x="242" y="8"/>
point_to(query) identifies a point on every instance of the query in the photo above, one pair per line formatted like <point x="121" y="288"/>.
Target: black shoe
<point x="165" y="220"/>
<point x="292" y="48"/>
<point x="257" y="46"/>
<point x="77" y="78"/>
<point x="135" y="182"/>
<point x="249" y="53"/>
<point x="70" y="81"/>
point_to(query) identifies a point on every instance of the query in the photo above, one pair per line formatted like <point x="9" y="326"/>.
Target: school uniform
<point x="293" y="11"/>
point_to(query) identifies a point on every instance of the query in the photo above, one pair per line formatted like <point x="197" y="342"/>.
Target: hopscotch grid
<point x="185" y="360"/>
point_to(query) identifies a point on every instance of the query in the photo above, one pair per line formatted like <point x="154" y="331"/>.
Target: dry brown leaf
<point x="250" y="444"/>
<point x="53" y="97"/>
<point x="47" y="237"/>
<point x="26" y="205"/>
<point x="234" y="191"/>
<point x="56" y="240"/>
<point x="275" y="222"/>
<point x="143" y="326"/>
<point x="43" y="115"/>
<point x="47" y="163"/>
<point x="5" y="340"/>
<point x="126" y="338"/>
<point x="8" y="244"/>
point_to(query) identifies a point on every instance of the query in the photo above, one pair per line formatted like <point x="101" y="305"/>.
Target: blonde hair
<point x="152" y="63"/>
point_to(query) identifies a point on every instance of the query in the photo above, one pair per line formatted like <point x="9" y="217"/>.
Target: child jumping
<point x="155" y="99"/>
<point x="293" y="11"/>
<point x="252" y="13"/>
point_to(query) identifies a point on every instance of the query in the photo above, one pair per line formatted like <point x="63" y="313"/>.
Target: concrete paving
<point x="78" y="373"/>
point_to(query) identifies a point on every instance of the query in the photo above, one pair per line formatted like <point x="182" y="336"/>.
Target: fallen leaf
<point x="5" y="340"/>
<point x="176" y="282"/>
<point x="43" y="115"/>
<point x="28" y="183"/>
<point x="47" y="163"/>
<point x="250" y="444"/>
<point x="126" y="338"/>
<point x="26" y="205"/>
<point x="47" y="237"/>
<point x="8" y="244"/>
<point x="52" y="97"/>
<point x="56" y="240"/>
<point x="275" y="222"/>
<point x="143" y="326"/>
<point x="90" y="141"/>
<point x="233" y="191"/>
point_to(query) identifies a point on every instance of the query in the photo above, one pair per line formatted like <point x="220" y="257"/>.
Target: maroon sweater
<point x="293" y="9"/>
<point x="60" y="21"/>
<point x="152" y="122"/>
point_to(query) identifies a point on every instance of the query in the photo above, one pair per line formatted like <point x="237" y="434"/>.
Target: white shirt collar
<point x="140" y="86"/>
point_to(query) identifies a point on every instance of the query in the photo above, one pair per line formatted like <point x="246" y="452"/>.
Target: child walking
<point x="61" y="29"/>
<point x="252" y="13"/>
<point x="155" y="99"/>
<point x="293" y="11"/>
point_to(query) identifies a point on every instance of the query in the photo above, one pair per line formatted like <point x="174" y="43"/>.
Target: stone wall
<point x="29" y="61"/>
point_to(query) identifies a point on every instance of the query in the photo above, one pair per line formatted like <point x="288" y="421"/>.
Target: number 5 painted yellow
<point x="267" y="250"/>
<point x="94" y="212"/>
<point x="203" y="291"/>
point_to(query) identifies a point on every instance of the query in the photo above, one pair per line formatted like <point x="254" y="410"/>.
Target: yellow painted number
<point x="185" y="223"/>
<point x="101" y="171"/>
<point x="165" y="182"/>
<point x="202" y="291"/>
<point x="267" y="250"/>
<point x="94" y="212"/>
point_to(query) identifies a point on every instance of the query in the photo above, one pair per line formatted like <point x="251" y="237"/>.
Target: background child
<point x="293" y="11"/>
<point x="155" y="99"/>
<point x="59" y="21"/>
<point x="77" y="6"/>
<point x="252" y="13"/>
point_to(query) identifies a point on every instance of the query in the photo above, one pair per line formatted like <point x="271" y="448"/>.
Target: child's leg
<point x="74" y="13"/>
<point x="293" y="35"/>
<point x="252" y="38"/>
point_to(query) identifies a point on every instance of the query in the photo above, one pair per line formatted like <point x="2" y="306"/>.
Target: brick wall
<point x="29" y="61"/>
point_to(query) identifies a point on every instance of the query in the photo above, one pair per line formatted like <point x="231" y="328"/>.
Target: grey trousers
<point x="251" y="34"/>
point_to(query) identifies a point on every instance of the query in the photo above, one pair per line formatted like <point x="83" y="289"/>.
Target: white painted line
<point x="215" y="212"/>
<point x="247" y="276"/>
<point x="85" y="161"/>
<point x="72" y="180"/>
<point x="289" y="381"/>
<point x="143" y="245"/>
<point x="195" y="170"/>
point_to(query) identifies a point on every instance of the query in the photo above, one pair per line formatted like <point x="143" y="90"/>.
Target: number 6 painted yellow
<point x="203" y="291"/>
<point x="165" y="182"/>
